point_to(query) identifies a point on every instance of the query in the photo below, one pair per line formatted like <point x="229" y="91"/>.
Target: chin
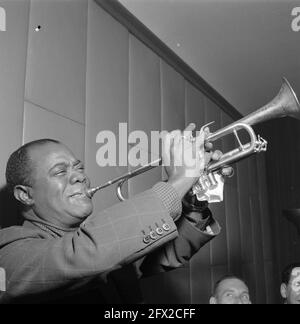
<point x="82" y="214"/>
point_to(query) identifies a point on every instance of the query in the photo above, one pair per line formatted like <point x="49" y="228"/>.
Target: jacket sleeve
<point x="105" y="241"/>
<point x="195" y="228"/>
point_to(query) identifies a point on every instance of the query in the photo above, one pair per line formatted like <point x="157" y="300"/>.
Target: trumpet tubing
<point x="284" y="104"/>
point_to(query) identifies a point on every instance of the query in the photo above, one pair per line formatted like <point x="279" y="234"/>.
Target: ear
<point x="23" y="195"/>
<point x="283" y="291"/>
<point x="212" y="301"/>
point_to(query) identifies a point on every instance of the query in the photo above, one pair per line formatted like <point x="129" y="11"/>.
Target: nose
<point x="78" y="176"/>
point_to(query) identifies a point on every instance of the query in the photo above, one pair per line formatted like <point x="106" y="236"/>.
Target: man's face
<point x="59" y="185"/>
<point x="232" y="291"/>
<point x="291" y="292"/>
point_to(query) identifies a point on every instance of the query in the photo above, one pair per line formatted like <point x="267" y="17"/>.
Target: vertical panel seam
<point x="129" y="189"/>
<point x="210" y="248"/>
<point x="239" y="214"/>
<point x="260" y="224"/>
<point x="185" y="103"/>
<point x="85" y="80"/>
<point x="267" y="218"/>
<point x="161" y="101"/>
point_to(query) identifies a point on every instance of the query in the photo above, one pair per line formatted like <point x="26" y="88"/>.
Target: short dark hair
<point x="19" y="165"/>
<point x="228" y="276"/>
<point x="286" y="273"/>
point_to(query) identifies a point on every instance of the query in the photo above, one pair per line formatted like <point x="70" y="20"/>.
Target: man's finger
<point x="208" y="146"/>
<point x="208" y="156"/>
<point x="217" y="155"/>
<point x="175" y="133"/>
<point x="188" y="132"/>
<point x="190" y="127"/>
<point x="227" y="172"/>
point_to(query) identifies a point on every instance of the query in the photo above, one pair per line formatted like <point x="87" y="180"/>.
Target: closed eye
<point x="60" y="172"/>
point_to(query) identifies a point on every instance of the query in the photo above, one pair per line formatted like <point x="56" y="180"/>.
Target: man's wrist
<point x="192" y="204"/>
<point x="181" y="185"/>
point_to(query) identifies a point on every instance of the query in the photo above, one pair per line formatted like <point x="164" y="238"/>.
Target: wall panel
<point x="219" y="245"/>
<point x="144" y="108"/>
<point x="200" y="273"/>
<point x="258" y="249"/>
<point x="12" y="77"/>
<point x="282" y="165"/>
<point x="167" y="288"/>
<point x="40" y="123"/>
<point x="201" y="276"/>
<point x="249" y="277"/>
<point x="233" y="230"/>
<point x="195" y="109"/>
<point x="173" y="117"/>
<point x="244" y="212"/>
<point x="264" y="208"/>
<point x="272" y="289"/>
<point x="173" y="98"/>
<point x="233" y="226"/>
<point x="106" y="95"/>
<point x="56" y="62"/>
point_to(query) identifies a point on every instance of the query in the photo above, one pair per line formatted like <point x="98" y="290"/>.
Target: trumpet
<point x="284" y="104"/>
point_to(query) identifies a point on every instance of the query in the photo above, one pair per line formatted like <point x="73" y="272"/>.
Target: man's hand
<point x="185" y="157"/>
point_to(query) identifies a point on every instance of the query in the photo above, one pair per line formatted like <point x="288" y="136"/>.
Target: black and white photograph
<point x="150" y="154"/>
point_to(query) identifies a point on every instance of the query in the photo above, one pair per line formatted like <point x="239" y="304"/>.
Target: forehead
<point x="295" y="272"/>
<point x="232" y="283"/>
<point x="48" y="154"/>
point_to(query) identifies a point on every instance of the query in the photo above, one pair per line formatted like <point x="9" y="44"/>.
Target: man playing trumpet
<point x="62" y="251"/>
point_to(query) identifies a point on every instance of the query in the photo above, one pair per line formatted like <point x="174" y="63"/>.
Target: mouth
<point x="79" y="194"/>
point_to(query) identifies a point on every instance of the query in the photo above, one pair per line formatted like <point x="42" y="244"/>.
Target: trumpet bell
<point x="284" y="104"/>
<point x="291" y="106"/>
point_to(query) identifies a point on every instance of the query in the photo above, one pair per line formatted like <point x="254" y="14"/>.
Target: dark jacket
<point x="44" y="263"/>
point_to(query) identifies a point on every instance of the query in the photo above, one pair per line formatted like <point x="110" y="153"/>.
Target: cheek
<point x="295" y="288"/>
<point x="50" y="191"/>
<point x="295" y="282"/>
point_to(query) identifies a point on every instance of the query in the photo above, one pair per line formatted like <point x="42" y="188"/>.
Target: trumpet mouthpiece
<point x="91" y="192"/>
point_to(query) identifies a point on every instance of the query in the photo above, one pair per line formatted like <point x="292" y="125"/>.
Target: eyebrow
<point x="228" y="290"/>
<point x="77" y="162"/>
<point x="232" y="290"/>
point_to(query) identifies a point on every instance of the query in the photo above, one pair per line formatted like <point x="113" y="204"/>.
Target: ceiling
<point x="242" y="48"/>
